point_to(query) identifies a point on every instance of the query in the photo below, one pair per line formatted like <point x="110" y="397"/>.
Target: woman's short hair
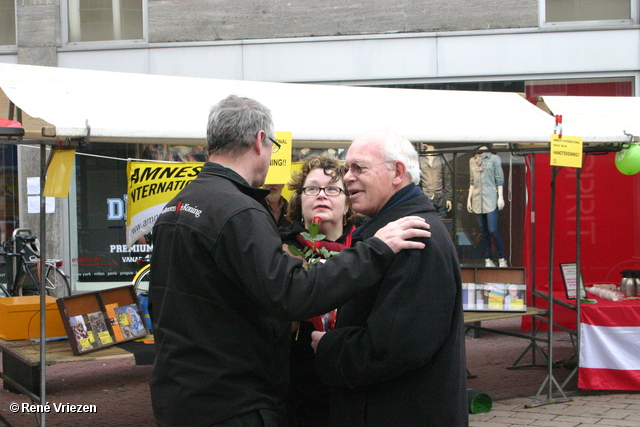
<point x="331" y="167"/>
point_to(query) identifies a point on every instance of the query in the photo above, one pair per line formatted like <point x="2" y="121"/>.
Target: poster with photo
<point x="492" y="296"/>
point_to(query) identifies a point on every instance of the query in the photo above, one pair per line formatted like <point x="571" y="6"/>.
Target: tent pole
<point x="43" y="290"/>
<point x="550" y="379"/>
<point x="454" y="213"/>
<point x="578" y="276"/>
<point x="532" y="243"/>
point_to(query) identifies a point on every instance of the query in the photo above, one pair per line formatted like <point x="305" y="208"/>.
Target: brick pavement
<point x="120" y="390"/>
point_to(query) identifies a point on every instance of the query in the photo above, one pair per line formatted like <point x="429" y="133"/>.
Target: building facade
<point x="536" y="47"/>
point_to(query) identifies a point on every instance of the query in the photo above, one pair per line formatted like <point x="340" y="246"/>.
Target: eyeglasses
<point x="330" y="191"/>
<point x="275" y="146"/>
<point x="357" y="169"/>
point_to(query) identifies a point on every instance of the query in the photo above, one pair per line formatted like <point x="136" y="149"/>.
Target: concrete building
<point x="536" y="47"/>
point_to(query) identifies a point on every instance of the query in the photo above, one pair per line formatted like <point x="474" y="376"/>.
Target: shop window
<point x="105" y="20"/>
<point x="7" y="23"/>
<point x="606" y="86"/>
<point x="594" y="12"/>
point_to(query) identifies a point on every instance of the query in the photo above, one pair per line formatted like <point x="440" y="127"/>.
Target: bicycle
<point x="23" y="269"/>
<point x="140" y="280"/>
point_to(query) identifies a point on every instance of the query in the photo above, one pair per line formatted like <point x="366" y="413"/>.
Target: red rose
<point x="316" y="220"/>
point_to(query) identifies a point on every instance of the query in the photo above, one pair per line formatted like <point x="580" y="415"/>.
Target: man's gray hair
<point x="397" y="147"/>
<point x="234" y="123"/>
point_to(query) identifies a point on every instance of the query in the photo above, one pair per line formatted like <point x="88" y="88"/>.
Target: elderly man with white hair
<point x="397" y="354"/>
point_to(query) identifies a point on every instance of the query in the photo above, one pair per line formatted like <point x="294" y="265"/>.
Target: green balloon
<point x="628" y="160"/>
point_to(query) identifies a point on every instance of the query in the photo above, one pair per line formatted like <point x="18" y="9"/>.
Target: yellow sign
<point x="280" y="167"/>
<point x="566" y="151"/>
<point x="59" y="173"/>
<point x="150" y="186"/>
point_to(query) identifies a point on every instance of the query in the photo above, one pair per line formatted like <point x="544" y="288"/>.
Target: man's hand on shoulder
<point x="396" y="234"/>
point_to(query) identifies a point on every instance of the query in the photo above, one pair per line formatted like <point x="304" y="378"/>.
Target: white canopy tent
<point x="123" y="107"/>
<point x="597" y="118"/>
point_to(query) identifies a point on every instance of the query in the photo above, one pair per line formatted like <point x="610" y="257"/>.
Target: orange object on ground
<point x="20" y="318"/>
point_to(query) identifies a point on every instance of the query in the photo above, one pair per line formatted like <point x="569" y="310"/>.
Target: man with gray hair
<point x="397" y="354"/>
<point x="223" y="292"/>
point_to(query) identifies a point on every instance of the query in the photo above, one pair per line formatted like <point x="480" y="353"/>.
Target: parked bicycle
<point x="21" y="257"/>
<point x="140" y="281"/>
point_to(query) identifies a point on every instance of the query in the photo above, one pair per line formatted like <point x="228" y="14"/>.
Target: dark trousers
<point x="489" y="227"/>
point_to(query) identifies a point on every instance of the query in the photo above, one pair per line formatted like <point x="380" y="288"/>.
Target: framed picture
<point x="569" y="274"/>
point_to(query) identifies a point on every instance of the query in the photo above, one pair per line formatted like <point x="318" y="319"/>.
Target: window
<point x="7" y="22"/>
<point x="595" y="12"/>
<point x="105" y="20"/>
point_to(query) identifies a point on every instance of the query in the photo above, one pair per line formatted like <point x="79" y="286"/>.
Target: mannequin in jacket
<point x="435" y="181"/>
<point x="486" y="199"/>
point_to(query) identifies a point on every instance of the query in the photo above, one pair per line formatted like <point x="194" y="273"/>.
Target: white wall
<point x="425" y="57"/>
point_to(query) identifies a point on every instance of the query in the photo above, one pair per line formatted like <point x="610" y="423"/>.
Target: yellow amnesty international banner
<point x="59" y="173"/>
<point x="280" y="167"/>
<point x="150" y="186"/>
<point x="566" y="151"/>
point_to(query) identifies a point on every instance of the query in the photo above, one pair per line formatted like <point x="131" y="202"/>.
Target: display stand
<point x="473" y="319"/>
<point x="95" y="320"/>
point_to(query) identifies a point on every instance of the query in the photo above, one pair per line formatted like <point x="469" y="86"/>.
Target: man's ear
<point x="400" y="172"/>
<point x="258" y="143"/>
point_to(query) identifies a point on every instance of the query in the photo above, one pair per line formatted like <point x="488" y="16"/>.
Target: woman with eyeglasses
<point x="320" y="195"/>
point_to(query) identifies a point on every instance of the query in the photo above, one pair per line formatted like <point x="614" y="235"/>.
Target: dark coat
<point x="397" y="355"/>
<point x="308" y="399"/>
<point x="223" y="295"/>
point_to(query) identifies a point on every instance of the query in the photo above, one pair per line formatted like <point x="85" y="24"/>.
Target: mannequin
<point x="486" y="199"/>
<point x="435" y="181"/>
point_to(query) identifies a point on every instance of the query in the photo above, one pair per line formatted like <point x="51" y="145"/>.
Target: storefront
<point x="170" y="126"/>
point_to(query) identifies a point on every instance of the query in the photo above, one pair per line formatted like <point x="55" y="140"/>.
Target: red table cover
<point x="610" y="345"/>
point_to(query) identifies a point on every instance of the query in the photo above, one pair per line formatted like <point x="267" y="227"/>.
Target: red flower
<point x="316" y="220"/>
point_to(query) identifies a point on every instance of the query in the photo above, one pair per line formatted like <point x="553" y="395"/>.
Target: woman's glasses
<point x="331" y="191"/>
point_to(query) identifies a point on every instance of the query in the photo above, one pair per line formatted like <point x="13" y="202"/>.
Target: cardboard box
<point x="20" y="318"/>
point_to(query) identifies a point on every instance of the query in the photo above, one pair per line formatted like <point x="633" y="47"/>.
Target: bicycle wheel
<point x="28" y="285"/>
<point x="56" y="283"/>
<point x="141" y="279"/>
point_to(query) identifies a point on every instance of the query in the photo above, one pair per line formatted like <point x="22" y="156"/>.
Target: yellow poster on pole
<point x="280" y="166"/>
<point x="566" y="151"/>
<point x="59" y="173"/>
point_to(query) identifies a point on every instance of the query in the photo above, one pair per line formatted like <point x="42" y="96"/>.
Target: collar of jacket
<point x="222" y="171"/>
<point x="407" y="192"/>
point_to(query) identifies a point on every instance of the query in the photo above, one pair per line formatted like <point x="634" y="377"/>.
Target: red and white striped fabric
<point x="610" y="346"/>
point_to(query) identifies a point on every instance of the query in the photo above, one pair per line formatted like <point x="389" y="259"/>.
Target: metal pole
<point x="43" y="290"/>
<point x="554" y="171"/>
<point x="550" y="380"/>
<point x="533" y="239"/>
<point x="454" y="201"/>
<point x="578" y="271"/>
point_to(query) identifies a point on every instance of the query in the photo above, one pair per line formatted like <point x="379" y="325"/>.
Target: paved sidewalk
<point x="585" y="410"/>
<point x="120" y="392"/>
